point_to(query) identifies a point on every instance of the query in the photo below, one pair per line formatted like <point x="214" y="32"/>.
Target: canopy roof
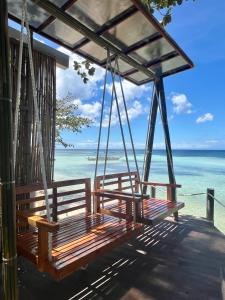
<point x="89" y="27"/>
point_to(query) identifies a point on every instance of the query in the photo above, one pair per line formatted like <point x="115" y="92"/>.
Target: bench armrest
<point x="39" y="222"/>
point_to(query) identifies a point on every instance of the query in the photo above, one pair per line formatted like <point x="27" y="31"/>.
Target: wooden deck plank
<point x="154" y="209"/>
<point x="178" y="261"/>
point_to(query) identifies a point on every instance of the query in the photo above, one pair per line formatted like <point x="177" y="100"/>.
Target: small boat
<point x="102" y="158"/>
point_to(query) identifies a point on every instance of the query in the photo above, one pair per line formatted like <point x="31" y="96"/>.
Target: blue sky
<point x="195" y="98"/>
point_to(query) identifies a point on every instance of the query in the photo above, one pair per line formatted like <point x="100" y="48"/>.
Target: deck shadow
<point x="167" y="261"/>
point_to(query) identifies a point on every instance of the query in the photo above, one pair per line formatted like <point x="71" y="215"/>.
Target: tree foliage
<point x="67" y="118"/>
<point x="164" y="7"/>
<point x="84" y="69"/>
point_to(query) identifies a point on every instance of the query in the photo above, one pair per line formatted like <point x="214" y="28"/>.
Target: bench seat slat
<point x="78" y="240"/>
<point x="154" y="209"/>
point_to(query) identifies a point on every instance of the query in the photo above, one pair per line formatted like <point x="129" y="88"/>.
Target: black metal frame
<point x="60" y="13"/>
<point x="159" y="101"/>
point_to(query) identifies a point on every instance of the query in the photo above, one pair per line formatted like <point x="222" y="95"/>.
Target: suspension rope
<point x="124" y="143"/>
<point x="101" y="118"/>
<point x="18" y="92"/>
<point x="108" y="132"/>
<point x="189" y="195"/>
<point x="130" y="133"/>
<point x="37" y="117"/>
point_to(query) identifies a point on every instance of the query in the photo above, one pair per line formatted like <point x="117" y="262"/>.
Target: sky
<point x="195" y="98"/>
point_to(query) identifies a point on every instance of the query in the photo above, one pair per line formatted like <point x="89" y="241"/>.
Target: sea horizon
<point x="196" y="170"/>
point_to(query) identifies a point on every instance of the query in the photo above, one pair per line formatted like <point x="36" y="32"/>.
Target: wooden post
<point x="54" y="205"/>
<point x="210" y="205"/>
<point x="153" y="191"/>
<point x="96" y="198"/>
<point x="138" y="206"/>
<point x="7" y="178"/>
<point x="136" y="185"/>
<point x="88" y="195"/>
<point x="42" y="249"/>
<point x="161" y="97"/>
<point x="150" y="139"/>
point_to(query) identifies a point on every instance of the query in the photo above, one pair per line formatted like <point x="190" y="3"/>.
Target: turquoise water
<point x="196" y="170"/>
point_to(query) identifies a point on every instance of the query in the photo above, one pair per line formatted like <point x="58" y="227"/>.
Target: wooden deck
<point x="169" y="261"/>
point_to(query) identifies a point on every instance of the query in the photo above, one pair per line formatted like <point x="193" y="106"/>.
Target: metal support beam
<point x="7" y="181"/>
<point x="150" y="139"/>
<point x="161" y="97"/>
<point x="159" y="100"/>
<point x="162" y="104"/>
<point x="78" y="26"/>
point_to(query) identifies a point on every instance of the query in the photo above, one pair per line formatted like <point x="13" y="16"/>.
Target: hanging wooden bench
<point x="112" y="200"/>
<point x="78" y="235"/>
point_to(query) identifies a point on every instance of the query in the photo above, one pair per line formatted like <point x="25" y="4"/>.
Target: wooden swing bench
<point x="113" y="199"/>
<point x="78" y="235"/>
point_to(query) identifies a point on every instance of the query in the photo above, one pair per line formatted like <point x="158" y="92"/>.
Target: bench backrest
<point x="116" y="181"/>
<point x="65" y="198"/>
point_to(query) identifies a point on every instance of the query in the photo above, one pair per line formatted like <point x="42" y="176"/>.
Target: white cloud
<point x="132" y="95"/>
<point x="69" y="82"/>
<point x="88" y="110"/>
<point x="208" y="117"/>
<point x="181" y="104"/>
<point x="131" y="91"/>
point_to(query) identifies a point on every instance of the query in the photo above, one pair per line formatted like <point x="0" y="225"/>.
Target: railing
<point x="210" y="196"/>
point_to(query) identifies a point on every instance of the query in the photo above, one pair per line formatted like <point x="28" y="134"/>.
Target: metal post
<point x="7" y="180"/>
<point x="210" y="205"/>
<point x="161" y="97"/>
<point x="150" y="139"/>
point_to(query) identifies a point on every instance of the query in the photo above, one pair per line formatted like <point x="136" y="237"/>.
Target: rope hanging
<point x="114" y="99"/>
<point x="36" y="110"/>
<point x="37" y="117"/>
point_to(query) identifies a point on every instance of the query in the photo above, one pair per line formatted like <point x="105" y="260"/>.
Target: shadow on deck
<point x="168" y="261"/>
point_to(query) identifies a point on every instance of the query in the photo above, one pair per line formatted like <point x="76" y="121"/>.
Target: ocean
<point x="195" y="170"/>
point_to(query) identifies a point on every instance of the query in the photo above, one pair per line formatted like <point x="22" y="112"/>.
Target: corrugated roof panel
<point x="36" y="14"/>
<point x="155" y="50"/>
<point x="169" y="65"/>
<point x="133" y="29"/>
<point x="63" y="33"/>
<point x="138" y="76"/>
<point x="94" y="50"/>
<point x="97" y="12"/>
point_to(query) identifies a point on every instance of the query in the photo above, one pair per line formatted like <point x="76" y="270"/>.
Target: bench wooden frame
<point x="115" y="202"/>
<point x="76" y="239"/>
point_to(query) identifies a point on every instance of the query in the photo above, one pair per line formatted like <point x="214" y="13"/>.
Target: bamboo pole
<point x="9" y="264"/>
